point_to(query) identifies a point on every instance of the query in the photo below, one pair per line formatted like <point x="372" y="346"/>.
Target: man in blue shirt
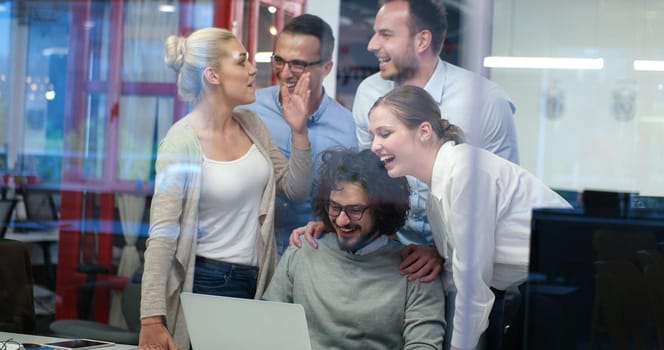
<point x="304" y="45"/>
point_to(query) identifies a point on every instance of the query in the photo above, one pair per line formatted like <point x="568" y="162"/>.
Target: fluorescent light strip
<point x="650" y="66"/>
<point x="167" y="8"/>
<point x="543" y="62"/>
<point x="263" y="57"/>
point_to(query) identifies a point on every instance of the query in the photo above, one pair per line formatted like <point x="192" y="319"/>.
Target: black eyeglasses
<point x="296" y="66"/>
<point x="354" y="212"/>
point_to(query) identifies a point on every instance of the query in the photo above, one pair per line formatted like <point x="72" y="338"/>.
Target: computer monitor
<point x="587" y="288"/>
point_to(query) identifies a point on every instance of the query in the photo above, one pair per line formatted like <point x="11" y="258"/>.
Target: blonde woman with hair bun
<point x="212" y="213"/>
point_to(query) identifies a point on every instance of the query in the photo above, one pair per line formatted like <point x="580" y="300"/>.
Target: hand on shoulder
<point x="311" y="231"/>
<point x="421" y="263"/>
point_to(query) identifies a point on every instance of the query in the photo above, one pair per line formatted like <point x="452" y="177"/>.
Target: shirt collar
<point x="324" y="102"/>
<point x="373" y="246"/>
<point x="436" y="84"/>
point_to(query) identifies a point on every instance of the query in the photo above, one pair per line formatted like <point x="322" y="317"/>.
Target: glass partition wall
<point x="85" y="97"/>
<point x="588" y="81"/>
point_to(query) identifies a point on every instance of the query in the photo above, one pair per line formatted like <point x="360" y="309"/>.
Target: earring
<point x="421" y="138"/>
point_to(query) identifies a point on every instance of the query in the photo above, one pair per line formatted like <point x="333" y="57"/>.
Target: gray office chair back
<point x="17" y="309"/>
<point x="6" y="211"/>
<point x="131" y="300"/>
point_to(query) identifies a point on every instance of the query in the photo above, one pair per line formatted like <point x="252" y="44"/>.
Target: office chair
<point x="17" y="309"/>
<point x="652" y="264"/>
<point x="131" y="301"/>
<point x="6" y="211"/>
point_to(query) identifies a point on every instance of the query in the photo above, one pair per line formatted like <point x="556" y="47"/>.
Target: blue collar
<point x="372" y="246"/>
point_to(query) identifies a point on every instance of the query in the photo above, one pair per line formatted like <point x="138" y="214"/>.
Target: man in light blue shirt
<point x="304" y="45"/>
<point x="408" y="37"/>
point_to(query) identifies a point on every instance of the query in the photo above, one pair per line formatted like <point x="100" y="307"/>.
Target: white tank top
<point x="228" y="208"/>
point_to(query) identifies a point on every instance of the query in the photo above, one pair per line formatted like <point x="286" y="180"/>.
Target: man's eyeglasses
<point x="354" y="212"/>
<point x="296" y="66"/>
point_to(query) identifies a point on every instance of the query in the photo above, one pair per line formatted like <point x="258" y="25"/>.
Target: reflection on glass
<point x="144" y="32"/>
<point x="246" y="20"/>
<point x="5" y="16"/>
<point x="613" y="107"/>
<point x="266" y="28"/>
<point x="86" y="146"/>
<point x="141" y="119"/>
<point x="202" y="12"/>
<point x="45" y="68"/>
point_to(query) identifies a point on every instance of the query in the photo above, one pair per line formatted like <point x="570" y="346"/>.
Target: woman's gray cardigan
<point x="171" y="246"/>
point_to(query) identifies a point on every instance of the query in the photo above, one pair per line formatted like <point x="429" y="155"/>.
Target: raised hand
<point x="295" y="105"/>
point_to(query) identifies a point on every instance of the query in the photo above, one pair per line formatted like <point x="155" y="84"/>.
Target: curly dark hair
<point x="388" y="197"/>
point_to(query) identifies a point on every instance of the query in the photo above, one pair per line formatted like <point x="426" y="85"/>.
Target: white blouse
<point x="480" y="209"/>
<point x="228" y="208"/>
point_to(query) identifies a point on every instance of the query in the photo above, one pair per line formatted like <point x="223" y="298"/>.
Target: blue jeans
<point x="214" y="277"/>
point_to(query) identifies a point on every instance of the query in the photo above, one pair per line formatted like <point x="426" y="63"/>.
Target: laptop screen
<point x="246" y="324"/>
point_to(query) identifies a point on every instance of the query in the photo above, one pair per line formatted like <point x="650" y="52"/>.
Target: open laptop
<point x="232" y="323"/>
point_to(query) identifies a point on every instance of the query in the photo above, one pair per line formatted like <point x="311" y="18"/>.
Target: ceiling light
<point x="543" y="62"/>
<point x="166" y="8"/>
<point x="263" y="57"/>
<point x="651" y="66"/>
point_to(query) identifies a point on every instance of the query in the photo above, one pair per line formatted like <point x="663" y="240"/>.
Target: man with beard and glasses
<point x="350" y="287"/>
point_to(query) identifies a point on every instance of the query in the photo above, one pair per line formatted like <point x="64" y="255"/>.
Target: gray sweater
<point x="171" y="246"/>
<point x="359" y="301"/>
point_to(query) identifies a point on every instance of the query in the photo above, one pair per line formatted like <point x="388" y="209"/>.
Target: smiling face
<point x="237" y="75"/>
<point x="352" y="235"/>
<point x="304" y="48"/>
<point x="393" y="43"/>
<point x="393" y="142"/>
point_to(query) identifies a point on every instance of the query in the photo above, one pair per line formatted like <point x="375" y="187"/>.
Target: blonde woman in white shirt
<point x="217" y="172"/>
<point x="479" y="207"/>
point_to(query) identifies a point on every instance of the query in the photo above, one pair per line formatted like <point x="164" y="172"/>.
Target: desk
<point x="37" y="339"/>
<point x="48" y="237"/>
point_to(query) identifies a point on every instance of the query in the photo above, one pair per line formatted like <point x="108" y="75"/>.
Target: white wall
<point x="586" y="146"/>
<point x="328" y="10"/>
